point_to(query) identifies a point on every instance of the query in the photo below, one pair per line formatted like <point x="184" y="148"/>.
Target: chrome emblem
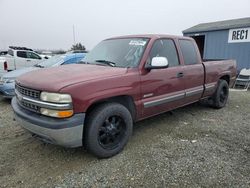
<point x="148" y="95"/>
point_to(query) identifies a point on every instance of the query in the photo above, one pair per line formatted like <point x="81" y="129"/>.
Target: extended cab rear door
<point x="163" y="89"/>
<point x="193" y="70"/>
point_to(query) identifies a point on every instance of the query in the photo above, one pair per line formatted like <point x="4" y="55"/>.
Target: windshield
<point x="118" y="52"/>
<point x="51" y="61"/>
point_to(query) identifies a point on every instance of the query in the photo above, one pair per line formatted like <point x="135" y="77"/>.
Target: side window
<point x="189" y="52"/>
<point x="165" y="48"/>
<point x="78" y="59"/>
<point x="73" y="60"/>
<point x="21" y="54"/>
<point x="69" y="61"/>
<point x="32" y="55"/>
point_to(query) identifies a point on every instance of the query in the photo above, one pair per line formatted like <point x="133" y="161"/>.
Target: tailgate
<point x="2" y="71"/>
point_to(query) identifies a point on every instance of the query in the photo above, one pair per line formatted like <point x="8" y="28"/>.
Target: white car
<point x="18" y="57"/>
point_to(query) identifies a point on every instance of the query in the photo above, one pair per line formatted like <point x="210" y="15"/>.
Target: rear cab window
<point x="189" y="52"/>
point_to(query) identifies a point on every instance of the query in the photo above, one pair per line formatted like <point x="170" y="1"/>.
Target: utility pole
<point x="74" y="36"/>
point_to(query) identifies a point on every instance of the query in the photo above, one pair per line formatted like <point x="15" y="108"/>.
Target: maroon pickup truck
<point x="121" y="81"/>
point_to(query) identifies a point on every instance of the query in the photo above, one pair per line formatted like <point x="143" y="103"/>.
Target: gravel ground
<point x="194" y="146"/>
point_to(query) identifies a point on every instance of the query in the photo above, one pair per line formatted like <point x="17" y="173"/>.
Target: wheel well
<point x="124" y="100"/>
<point x="226" y="78"/>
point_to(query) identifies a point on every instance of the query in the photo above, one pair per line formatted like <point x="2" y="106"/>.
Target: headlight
<point x="55" y="97"/>
<point x="56" y="113"/>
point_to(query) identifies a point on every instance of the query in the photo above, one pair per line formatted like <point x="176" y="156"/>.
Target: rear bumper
<point x="65" y="132"/>
<point x="2" y="72"/>
<point x="7" y="90"/>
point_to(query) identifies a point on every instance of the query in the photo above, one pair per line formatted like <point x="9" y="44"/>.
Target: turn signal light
<point x="56" y="113"/>
<point x="63" y="114"/>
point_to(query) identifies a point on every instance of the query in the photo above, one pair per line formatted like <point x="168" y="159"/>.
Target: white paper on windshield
<point x="137" y="43"/>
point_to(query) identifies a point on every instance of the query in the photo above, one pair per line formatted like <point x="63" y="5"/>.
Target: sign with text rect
<point x="239" y="35"/>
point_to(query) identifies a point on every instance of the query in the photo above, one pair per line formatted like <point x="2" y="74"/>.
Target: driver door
<point x="163" y="89"/>
<point x="32" y="59"/>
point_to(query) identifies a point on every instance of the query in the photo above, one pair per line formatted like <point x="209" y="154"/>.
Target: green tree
<point x="78" y="46"/>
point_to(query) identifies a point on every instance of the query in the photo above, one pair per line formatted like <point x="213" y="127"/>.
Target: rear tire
<point x="220" y="97"/>
<point x="108" y="129"/>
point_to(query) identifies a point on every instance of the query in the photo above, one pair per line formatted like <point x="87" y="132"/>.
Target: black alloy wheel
<point x="221" y="94"/>
<point x="111" y="132"/>
<point x="108" y="129"/>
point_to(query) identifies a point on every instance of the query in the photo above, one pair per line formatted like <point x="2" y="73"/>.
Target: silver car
<point x="7" y="81"/>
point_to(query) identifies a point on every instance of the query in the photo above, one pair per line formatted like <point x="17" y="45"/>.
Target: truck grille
<point x="28" y="92"/>
<point x="30" y="106"/>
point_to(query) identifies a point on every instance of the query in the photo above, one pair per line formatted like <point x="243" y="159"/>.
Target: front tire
<point x="108" y="129"/>
<point x="220" y="97"/>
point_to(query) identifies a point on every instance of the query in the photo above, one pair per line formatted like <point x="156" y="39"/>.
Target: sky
<point x="48" y="24"/>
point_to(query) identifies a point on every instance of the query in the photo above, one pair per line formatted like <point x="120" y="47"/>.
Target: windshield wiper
<point x="40" y="66"/>
<point x="106" y="62"/>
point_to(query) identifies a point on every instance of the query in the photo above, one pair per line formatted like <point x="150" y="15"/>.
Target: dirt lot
<point x="195" y="146"/>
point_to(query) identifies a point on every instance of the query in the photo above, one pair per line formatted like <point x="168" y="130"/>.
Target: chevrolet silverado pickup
<point x="121" y="81"/>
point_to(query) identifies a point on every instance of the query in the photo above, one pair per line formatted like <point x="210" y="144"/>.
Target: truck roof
<point x="150" y="36"/>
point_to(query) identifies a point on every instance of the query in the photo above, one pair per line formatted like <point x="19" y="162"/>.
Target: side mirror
<point x="158" y="63"/>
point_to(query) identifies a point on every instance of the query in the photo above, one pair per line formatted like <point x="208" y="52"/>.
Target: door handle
<point x="179" y="74"/>
<point x="28" y="60"/>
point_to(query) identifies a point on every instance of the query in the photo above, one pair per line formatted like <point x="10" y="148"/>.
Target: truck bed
<point x="215" y="69"/>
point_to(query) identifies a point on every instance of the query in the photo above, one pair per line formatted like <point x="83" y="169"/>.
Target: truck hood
<point x="56" y="78"/>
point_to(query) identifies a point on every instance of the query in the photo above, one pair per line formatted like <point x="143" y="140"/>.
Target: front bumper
<point x="66" y="132"/>
<point x="7" y="90"/>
